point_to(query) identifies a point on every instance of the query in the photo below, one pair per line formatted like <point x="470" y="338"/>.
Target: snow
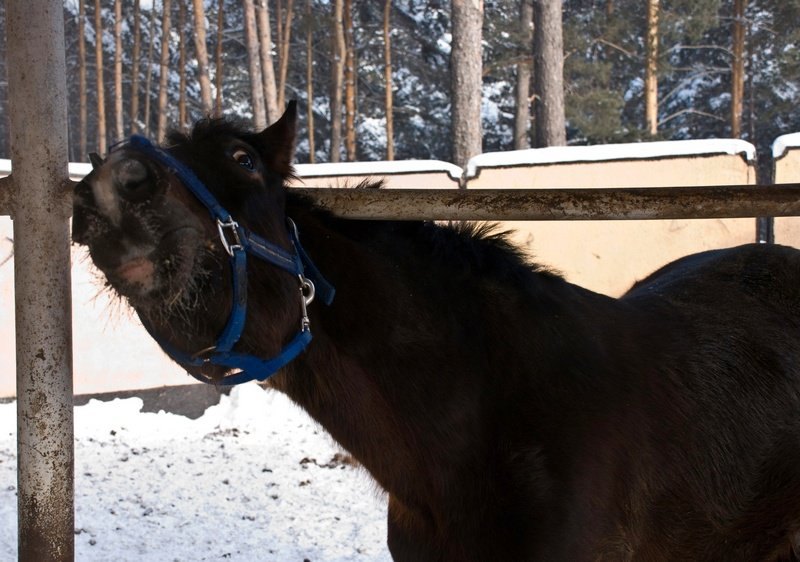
<point x="252" y="479"/>
<point x="77" y="170"/>
<point x="378" y="168"/>
<point x="784" y="143"/>
<point x="626" y="151"/>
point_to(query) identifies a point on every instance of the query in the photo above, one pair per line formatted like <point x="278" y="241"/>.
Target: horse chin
<point x="136" y="275"/>
<point x="165" y="279"/>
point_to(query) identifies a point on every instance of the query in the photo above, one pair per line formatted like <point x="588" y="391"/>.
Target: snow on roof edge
<point x="378" y="168"/>
<point x="77" y="170"/>
<point x="606" y="152"/>
<point x="784" y="143"/>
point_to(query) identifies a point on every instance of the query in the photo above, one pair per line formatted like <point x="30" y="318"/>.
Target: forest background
<point x="606" y="70"/>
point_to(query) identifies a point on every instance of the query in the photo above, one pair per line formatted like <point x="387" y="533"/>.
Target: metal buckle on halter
<point x="204" y="354"/>
<point x="307" y="292"/>
<point x="234" y="228"/>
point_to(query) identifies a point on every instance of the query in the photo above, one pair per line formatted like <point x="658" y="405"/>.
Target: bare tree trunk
<point x="201" y="50"/>
<point x="651" y="69"/>
<point x="102" y="145"/>
<point x="466" y="78"/>
<point x="751" y="105"/>
<point x="279" y="27"/>
<point x="548" y="65"/>
<point x="218" y="71"/>
<point x="310" y="82"/>
<point x="253" y="56"/>
<point x="522" y="107"/>
<point x="137" y="47"/>
<point x="737" y="74"/>
<point x="338" y="78"/>
<point x="283" y="61"/>
<point x="119" y="121"/>
<point x="163" y="82"/>
<point x="387" y="73"/>
<point x="148" y="82"/>
<point x="182" y="64"/>
<point x="349" y="83"/>
<point x="82" y="103"/>
<point x="267" y="66"/>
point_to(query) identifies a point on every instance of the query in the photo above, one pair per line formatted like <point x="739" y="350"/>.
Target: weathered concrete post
<point x="38" y="119"/>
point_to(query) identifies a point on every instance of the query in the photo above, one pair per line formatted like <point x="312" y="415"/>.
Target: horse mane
<point x="209" y="127"/>
<point x="471" y="249"/>
<point x="475" y="248"/>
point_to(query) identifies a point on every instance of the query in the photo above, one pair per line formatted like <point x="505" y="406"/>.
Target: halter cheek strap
<point x="238" y="243"/>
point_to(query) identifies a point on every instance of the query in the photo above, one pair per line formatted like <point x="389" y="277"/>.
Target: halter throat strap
<point x="238" y="242"/>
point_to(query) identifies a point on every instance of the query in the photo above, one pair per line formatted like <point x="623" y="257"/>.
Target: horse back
<point x="768" y="272"/>
<point x="727" y="325"/>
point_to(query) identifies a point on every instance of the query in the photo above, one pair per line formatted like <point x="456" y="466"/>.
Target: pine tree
<point x="253" y="56"/>
<point x="267" y="66"/>
<point x="99" y="82"/>
<point x="466" y="78"/>
<point x="163" y="77"/>
<point x="339" y="54"/>
<point x="522" y="114"/>
<point x="388" y="86"/>
<point x="548" y="47"/>
<point x="201" y="50"/>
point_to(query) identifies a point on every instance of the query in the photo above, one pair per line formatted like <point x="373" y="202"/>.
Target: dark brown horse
<point x="509" y="414"/>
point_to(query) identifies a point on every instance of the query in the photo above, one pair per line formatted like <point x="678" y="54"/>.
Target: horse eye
<point x="244" y="159"/>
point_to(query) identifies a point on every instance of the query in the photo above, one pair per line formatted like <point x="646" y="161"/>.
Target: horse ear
<point x="96" y="160"/>
<point x="278" y="140"/>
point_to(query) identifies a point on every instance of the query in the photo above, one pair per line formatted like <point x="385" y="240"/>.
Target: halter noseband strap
<point x="238" y="242"/>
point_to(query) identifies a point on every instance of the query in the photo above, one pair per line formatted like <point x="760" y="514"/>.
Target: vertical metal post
<point x="38" y="119"/>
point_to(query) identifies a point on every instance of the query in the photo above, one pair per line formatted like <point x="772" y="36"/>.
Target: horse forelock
<point x="212" y="130"/>
<point x="209" y="128"/>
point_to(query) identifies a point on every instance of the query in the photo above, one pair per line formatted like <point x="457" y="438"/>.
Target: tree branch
<point x="693" y="111"/>
<point x="682" y="84"/>
<point x="698" y="47"/>
<point x="616" y="47"/>
<point x="520" y="59"/>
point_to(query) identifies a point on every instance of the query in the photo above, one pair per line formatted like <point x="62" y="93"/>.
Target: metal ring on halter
<point x="234" y="228"/>
<point x="307" y="289"/>
<point x="207" y="351"/>
<point x="307" y="292"/>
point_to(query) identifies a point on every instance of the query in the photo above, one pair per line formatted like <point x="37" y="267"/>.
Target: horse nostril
<point x="130" y="177"/>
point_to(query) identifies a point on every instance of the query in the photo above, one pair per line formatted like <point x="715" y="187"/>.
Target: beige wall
<point x="786" y="158"/>
<point x="113" y="352"/>
<point x="609" y="256"/>
<point x="111" y="349"/>
<point x="416" y="174"/>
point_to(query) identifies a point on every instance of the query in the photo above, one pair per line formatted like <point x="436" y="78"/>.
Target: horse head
<point x="161" y="222"/>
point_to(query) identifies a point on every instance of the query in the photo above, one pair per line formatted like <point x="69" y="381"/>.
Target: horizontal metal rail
<point x="561" y="204"/>
<point x="630" y="203"/>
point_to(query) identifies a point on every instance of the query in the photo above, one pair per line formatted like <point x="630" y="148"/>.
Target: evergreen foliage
<point x="604" y="71"/>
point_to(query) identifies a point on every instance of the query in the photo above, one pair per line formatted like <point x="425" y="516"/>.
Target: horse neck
<point x="397" y="371"/>
<point x="342" y="379"/>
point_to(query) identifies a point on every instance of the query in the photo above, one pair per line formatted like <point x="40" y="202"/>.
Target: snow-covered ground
<point x="252" y="479"/>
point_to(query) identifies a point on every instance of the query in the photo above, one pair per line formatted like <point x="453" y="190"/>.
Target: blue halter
<point x="238" y="242"/>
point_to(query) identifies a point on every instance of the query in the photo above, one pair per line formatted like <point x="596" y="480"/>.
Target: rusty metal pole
<point x="38" y="116"/>
<point x="628" y="203"/>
